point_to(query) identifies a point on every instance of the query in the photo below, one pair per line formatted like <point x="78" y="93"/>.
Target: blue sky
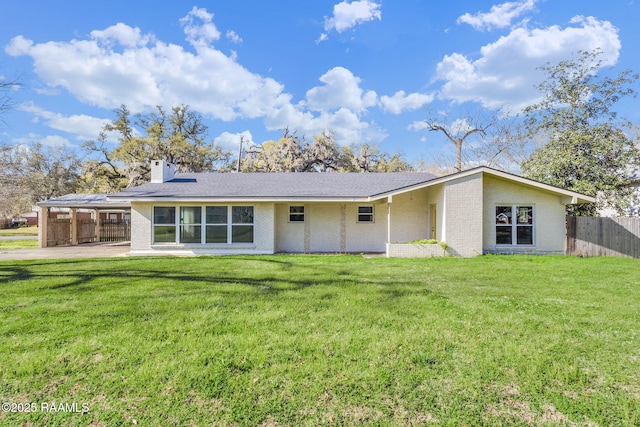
<point x="365" y="69"/>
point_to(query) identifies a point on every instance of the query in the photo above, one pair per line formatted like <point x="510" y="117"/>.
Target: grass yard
<point x="18" y="244"/>
<point x="320" y="340"/>
<point x="19" y="231"/>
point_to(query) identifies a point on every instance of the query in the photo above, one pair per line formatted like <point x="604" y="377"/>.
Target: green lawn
<point x="321" y="340"/>
<point x="20" y="231"/>
<point x="18" y="244"/>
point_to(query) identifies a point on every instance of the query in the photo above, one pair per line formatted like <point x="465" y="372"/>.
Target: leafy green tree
<point x="178" y="136"/>
<point x="587" y="147"/>
<point x="321" y="154"/>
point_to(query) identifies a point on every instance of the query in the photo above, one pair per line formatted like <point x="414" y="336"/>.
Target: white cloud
<point x="234" y="37"/>
<point x="500" y="16"/>
<point x="49" y="140"/>
<point x="231" y="141"/>
<point x="507" y="71"/>
<point x="347" y="15"/>
<point x="123" y="35"/>
<point x="81" y="126"/>
<point x="122" y="66"/>
<point x="341" y="90"/>
<point x="199" y="27"/>
<point x="400" y="101"/>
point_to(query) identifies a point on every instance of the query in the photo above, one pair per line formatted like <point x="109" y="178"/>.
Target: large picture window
<point x="514" y="225"/>
<point x="221" y="224"/>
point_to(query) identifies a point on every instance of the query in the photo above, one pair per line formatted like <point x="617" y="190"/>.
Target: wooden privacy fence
<point x="86" y="231"/>
<point x="59" y="232"/>
<point x="594" y="236"/>
<point x="115" y="231"/>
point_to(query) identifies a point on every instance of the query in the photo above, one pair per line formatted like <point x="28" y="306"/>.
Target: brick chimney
<point x="162" y="171"/>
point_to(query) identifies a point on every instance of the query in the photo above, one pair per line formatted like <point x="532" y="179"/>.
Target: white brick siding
<point x="463" y="216"/>
<point x="549" y="216"/>
<point x="142" y="232"/>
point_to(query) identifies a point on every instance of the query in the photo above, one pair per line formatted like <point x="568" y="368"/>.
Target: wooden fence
<point x="591" y="236"/>
<point x="86" y="231"/>
<point x="115" y="231"/>
<point x="59" y="232"/>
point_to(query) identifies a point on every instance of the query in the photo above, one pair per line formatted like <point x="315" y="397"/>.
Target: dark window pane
<point x="190" y="215"/>
<point x="216" y="214"/>
<point x="216" y="234"/>
<point x="190" y="234"/>
<point x="525" y="235"/>
<point x="525" y="215"/>
<point x="242" y="234"/>
<point x="365" y="213"/>
<point x="164" y="234"/>
<point x="503" y="215"/>
<point x="503" y="235"/>
<point x="242" y="214"/>
<point x="164" y="215"/>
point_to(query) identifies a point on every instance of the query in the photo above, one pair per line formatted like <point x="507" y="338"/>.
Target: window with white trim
<point x="219" y="224"/>
<point x="190" y="224"/>
<point x="164" y="224"/>
<point x="365" y="213"/>
<point x="241" y="224"/>
<point x="514" y="225"/>
<point x="296" y="213"/>
<point x="217" y="228"/>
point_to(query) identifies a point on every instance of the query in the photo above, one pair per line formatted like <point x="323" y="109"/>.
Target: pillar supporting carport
<point x="73" y="202"/>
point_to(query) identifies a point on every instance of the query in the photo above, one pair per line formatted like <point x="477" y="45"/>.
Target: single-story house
<point x="475" y="212"/>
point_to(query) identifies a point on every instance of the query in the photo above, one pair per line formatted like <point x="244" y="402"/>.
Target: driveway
<point x="87" y="250"/>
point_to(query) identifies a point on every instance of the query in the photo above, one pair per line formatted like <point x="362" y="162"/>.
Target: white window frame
<point x="175" y="225"/>
<point x="203" y="225"/>
<point x="371" y="214"/>
<point x="514" y="225"/>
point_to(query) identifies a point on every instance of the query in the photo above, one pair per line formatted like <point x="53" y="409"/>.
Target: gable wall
<point x="463" y="228"/>
<point x="549" y="216"/>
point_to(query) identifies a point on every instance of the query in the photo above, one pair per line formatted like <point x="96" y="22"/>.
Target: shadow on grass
<point x="76" y="274"/>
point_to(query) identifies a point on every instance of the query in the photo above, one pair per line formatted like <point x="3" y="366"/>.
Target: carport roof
<point x="87" y="201"/>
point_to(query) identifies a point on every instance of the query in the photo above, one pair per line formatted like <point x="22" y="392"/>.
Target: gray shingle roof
<point x="286" y="185"/>
<point x="85" y="200"/>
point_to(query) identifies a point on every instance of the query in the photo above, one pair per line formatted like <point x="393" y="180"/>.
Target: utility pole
<point x="239" y="154"/>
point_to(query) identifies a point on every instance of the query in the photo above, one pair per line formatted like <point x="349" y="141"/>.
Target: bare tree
<point x="6" y="98"/>
<point x="459" y="130"/>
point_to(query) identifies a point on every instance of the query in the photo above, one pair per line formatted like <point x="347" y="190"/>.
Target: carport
<point x="83" y="218"/>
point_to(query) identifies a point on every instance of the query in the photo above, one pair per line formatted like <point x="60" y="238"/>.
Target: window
<point x="190" y="224"/>
<point x="221" y="224"/>
<point x="164" y="224"/>
<point x="216" y="226"/>
<point x="365" y="213"/>
<point x="514" y="225"/>
<point x="242" y="224"/>
<point x="296" y="213"/>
